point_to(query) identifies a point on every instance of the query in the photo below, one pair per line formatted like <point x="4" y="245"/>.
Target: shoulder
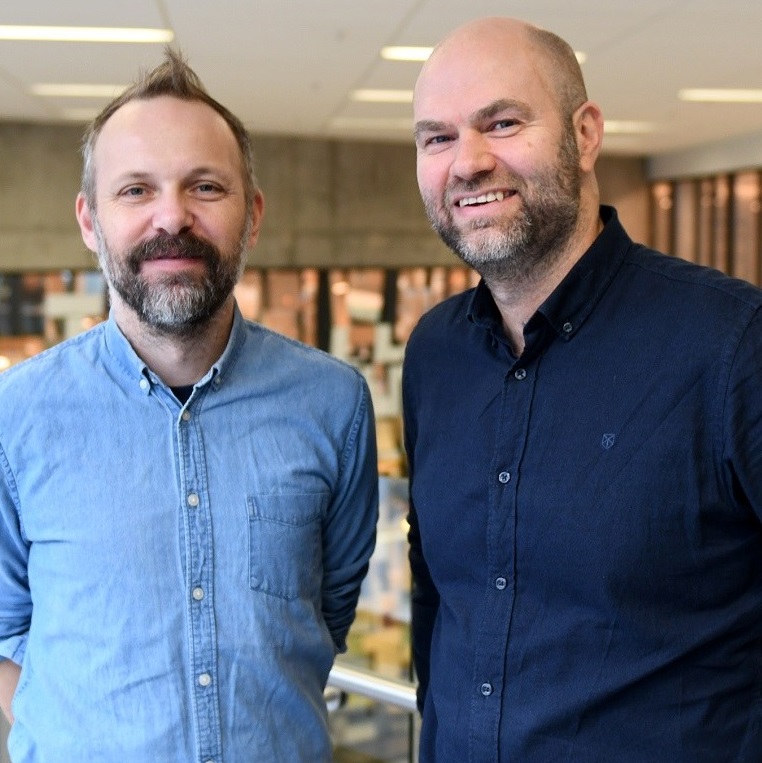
<point x="443" y="321"/>
<point x="707" y="286"/>
<point x="39" y="374"/>
<point x="276" y="357"/>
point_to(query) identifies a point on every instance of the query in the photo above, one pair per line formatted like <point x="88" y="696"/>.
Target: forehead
<point x="467" y="74"/>
<point x="164" y="134"/>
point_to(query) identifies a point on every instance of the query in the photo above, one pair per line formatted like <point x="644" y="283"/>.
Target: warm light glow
<point x="84" y="34"/>
<point x="340" y="288"/>
<point x="383" y="96"/>
<point x="721" y="95"/>
<point x="77" y="91"/>
<point x="5" y="362"/>
<point x="405" y="53"/>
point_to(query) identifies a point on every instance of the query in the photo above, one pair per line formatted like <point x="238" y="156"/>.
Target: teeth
<point x="483" y="199"/>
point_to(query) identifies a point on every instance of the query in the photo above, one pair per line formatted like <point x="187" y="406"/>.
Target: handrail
<point x="368" y="684"/>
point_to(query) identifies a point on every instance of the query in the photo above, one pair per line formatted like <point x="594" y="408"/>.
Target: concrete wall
<point x="327" y="202"/>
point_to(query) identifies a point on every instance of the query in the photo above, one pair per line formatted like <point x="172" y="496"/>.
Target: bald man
<point x="584" y="431"/>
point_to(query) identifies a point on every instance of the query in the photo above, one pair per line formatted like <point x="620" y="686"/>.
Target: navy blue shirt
<point x="585" y="531"/>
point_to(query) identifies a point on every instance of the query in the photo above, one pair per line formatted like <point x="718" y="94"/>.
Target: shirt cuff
<point x="14" y="648"/>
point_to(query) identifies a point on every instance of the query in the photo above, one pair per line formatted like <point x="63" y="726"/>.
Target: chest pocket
<point x="285" y="544"/>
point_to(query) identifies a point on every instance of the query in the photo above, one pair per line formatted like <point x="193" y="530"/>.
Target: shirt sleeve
<point x="424" y="597"/>
<point x="15" y="597"/>
<point x="742" y="433"/>
<point x="349" y="532"/>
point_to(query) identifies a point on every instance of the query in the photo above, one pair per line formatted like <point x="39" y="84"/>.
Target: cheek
<point x="432" y="178"/>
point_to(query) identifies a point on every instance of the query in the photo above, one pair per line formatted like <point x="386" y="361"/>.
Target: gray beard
<point x="522" y="249"/>
<point x="179" y="304"/>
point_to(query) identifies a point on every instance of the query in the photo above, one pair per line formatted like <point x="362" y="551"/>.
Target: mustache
<point x="164" y="246"/>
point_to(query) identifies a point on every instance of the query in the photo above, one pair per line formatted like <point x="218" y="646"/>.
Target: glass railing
<point x="376" y="719"/>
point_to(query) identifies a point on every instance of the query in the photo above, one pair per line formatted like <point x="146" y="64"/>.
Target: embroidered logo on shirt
<point x="607" y="441"/>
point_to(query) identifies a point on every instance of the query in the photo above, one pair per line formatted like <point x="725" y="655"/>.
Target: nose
<point x="473" y="156"/>
<point x="172" y="214"/>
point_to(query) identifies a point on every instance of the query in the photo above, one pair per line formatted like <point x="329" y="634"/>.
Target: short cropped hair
<point x="564" y="69"/>
<point x="173" y="77"/>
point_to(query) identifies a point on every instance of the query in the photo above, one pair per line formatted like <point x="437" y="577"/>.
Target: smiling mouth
<point x="485" y="198"/>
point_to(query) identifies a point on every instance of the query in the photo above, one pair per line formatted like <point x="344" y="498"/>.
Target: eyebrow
<point x="481" y="115"/>
<point x="502" y="104"/>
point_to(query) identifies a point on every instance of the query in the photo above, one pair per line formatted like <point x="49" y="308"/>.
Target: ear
<point x="86" y="223"/>
<point x="257" y="212"/>
<point x="588" y="128"/>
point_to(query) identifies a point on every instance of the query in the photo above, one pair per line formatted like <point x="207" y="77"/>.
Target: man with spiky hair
<point x="187" y="500"/>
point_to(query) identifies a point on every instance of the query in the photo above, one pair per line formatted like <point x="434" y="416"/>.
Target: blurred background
<point x="347" y="260"/>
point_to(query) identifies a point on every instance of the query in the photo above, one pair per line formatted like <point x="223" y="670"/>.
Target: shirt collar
<point x="121" y="350"/>
<point x="572" y="301"/>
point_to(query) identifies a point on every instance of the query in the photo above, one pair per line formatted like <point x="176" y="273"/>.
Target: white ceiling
<point x="289" y="66"/>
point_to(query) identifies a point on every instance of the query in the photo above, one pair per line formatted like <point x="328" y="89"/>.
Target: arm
<point x="425" y="597"/>
<point x="349" y="531"/>
<point x="742" y="434"/>
<point x="425" y="601"/>
<point x="15" y="598"/>
<point x="9" y="678"/>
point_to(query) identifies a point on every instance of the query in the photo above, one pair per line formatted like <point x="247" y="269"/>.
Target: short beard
<point x="524" y="248"/>
<point x="177" y="304"/>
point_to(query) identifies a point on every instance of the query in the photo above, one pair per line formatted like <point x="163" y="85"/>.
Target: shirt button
<point x="486" y="689"/>
<point x="144" y="384"/>
<point x="520" y="374"/>
<point x="186" y="416"/>
<point x="504" y="477"/>
<point x="204" y="679"/>
<point x="198" y="593"/>
<point x="568" y="328"/>
<point x="193" y="500"/>
<point x="500" y="584"/>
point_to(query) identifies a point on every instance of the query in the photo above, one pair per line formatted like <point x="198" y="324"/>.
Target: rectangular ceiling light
<point x="383" y="96"/>
<point x="623" y="127"/>
<point x="84" y="34"/>
<point x="721" y="95"/>
<point x="405" y="53"/>
<point x="77" y="91"/>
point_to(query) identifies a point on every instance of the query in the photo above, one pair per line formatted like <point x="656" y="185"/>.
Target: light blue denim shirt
<point x="175" y="581"/>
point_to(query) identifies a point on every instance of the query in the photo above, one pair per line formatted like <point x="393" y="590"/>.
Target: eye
<point x="208" y="189"/>
<point x="434" y="142"/>
<point x="505" y="125"/>
<point x="133" y="193"/>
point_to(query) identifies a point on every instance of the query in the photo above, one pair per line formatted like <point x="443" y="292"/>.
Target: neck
<point x="178" y="360"/>
<point x="518" y="300"/>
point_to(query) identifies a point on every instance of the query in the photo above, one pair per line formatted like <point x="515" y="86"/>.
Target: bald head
<point x="497" y="40"/>
<point x="506" y="147"/>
